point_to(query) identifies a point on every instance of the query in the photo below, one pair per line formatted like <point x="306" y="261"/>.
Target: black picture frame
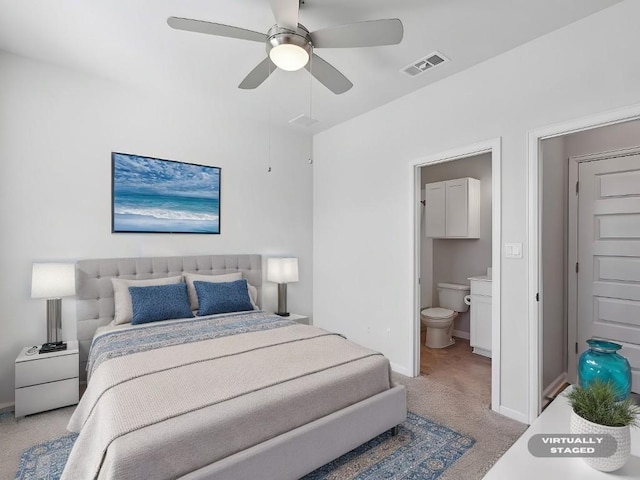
<point x="154" y="195"/>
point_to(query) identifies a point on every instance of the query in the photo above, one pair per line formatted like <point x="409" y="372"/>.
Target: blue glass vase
<point x="602" y="362"/>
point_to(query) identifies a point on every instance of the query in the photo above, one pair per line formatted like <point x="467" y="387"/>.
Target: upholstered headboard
<point x="94" y="296"/>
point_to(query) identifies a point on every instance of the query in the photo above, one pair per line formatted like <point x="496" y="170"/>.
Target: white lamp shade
<point x="282" y="270"/>
<point x="53" y="280"/>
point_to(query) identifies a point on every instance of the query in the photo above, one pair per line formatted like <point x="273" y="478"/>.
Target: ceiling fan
<point x="290" y="45"/>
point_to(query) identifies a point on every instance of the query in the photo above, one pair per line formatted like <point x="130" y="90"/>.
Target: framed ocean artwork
<point x="152" y="195"/>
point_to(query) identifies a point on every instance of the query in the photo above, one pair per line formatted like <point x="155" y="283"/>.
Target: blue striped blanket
<point x="118" y="343"/>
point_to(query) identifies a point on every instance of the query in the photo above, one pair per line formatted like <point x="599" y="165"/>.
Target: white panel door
<point x="609" y="255"/>
<point x="434" y="197"/>
<point x="457" y="215"/>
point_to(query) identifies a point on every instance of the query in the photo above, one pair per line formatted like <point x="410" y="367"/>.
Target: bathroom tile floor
<point x="458" y="368"/>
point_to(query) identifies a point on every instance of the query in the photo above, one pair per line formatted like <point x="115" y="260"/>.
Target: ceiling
<point x="129" y="41"/>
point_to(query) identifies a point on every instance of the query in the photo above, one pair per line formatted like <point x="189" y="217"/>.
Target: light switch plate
<point x="513" y="250"/>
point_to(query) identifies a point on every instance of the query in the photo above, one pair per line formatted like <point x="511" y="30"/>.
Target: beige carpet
<point x="464" y="413"/>
<point x="459" y="411"/>
<point x="17" y="435"/>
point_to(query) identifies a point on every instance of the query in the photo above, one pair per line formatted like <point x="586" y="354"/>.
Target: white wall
<point x="57" y="130"/>
<point x="456" y="260"/>
<point x="363" y="179"/>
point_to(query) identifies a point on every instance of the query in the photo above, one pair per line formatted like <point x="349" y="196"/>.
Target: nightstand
<point x="46" y="381"/>
<point x="298" y="318"/>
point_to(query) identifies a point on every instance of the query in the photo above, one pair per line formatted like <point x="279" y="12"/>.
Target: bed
<point x="222" y="396"/>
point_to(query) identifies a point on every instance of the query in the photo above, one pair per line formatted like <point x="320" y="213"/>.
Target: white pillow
<point x="122" y="297"/>
<point x="191" y="277"/>
<point x="253" y="296"/>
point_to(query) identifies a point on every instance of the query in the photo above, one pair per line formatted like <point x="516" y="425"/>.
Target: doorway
<point x="553" y="291"/>
<point x="606" y="287"/>
<point x="455" y="337"/>
<point x="491" y="148"/>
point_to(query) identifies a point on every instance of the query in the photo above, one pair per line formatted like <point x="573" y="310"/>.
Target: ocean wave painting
<point x="151" y="195"/>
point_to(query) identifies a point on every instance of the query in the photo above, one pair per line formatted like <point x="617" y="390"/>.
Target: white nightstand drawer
<point x="46" y="369"/>
<point x="46" y="396"/>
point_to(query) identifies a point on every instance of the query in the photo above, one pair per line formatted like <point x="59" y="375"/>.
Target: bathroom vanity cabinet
<point x="480" y="318"/>
<point x="452" y="208"/>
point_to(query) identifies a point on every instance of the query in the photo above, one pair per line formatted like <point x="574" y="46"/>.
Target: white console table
<point x="518" y="463"/>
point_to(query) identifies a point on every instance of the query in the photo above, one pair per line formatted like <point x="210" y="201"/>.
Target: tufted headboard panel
<point x="94" y="296"/>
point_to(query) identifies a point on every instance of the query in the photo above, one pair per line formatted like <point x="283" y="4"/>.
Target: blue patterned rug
<point x="46" y="460"/>
<point x="6" y="414"/>
<point x="422" y="450"/>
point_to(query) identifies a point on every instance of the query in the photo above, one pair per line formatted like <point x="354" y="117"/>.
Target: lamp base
<point x="282" y="300"/>
<point x="54" y="322"/>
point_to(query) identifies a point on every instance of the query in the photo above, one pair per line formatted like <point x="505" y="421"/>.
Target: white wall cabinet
<point x="480" y="318"/>
<point x="452" y="208"/>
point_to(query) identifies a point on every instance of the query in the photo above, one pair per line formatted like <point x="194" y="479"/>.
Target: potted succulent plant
<point x="596" y="411"/>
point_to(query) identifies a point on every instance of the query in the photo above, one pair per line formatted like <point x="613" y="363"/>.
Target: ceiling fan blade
<point x="328" y="75"/>
<point x="219" y="29"/>
<point x="362" y="34"/>
<point x="258" y="74"/>
<point x="286" y="13"/>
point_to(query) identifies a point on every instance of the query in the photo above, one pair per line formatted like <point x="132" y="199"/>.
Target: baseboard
<point x="461" y="334"/>
<point x="513" y="414"/>
<point x="400" y="369"/>
<point x="6" y="406"/>
<point x="552" y="390"/>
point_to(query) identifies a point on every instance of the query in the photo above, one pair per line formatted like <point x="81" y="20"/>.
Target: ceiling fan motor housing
<point x="279" y="36"/>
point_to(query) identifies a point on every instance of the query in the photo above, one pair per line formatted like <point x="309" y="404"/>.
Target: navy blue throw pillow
<point x="224" y="297"/>
<point x="159" y="302"/>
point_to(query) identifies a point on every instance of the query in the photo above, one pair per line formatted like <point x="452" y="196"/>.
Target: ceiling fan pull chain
<point x="269" y="122"/>
<point x="310" y="101"/>
<point x="311" y="86"/>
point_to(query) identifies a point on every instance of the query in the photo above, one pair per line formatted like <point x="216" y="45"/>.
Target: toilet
<point x="439" y="320"/>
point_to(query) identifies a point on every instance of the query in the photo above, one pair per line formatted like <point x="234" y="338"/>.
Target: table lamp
<point x="53" y="281"/>
<point x="282" y="271"/>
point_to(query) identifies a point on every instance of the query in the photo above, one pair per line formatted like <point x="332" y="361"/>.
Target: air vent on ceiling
<point x="426" y="63"/>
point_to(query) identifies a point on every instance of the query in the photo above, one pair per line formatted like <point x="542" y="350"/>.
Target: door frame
<point x="494" y="147"/>
<point x="534" y="218"/>
<point x="572" y="239"/>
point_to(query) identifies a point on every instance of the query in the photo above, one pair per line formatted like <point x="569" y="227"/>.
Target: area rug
<point x="422" y="450"/>
<point x="46" y="460"/>
<point x="6" y="414"/>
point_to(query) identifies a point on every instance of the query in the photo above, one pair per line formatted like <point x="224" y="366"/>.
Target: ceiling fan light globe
<point x="289" y="57"/>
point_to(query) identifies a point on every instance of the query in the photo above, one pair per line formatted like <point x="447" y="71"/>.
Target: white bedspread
<point x="162" y="413"/>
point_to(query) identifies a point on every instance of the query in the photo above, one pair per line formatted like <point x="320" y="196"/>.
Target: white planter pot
<point x="621" y="434"/>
